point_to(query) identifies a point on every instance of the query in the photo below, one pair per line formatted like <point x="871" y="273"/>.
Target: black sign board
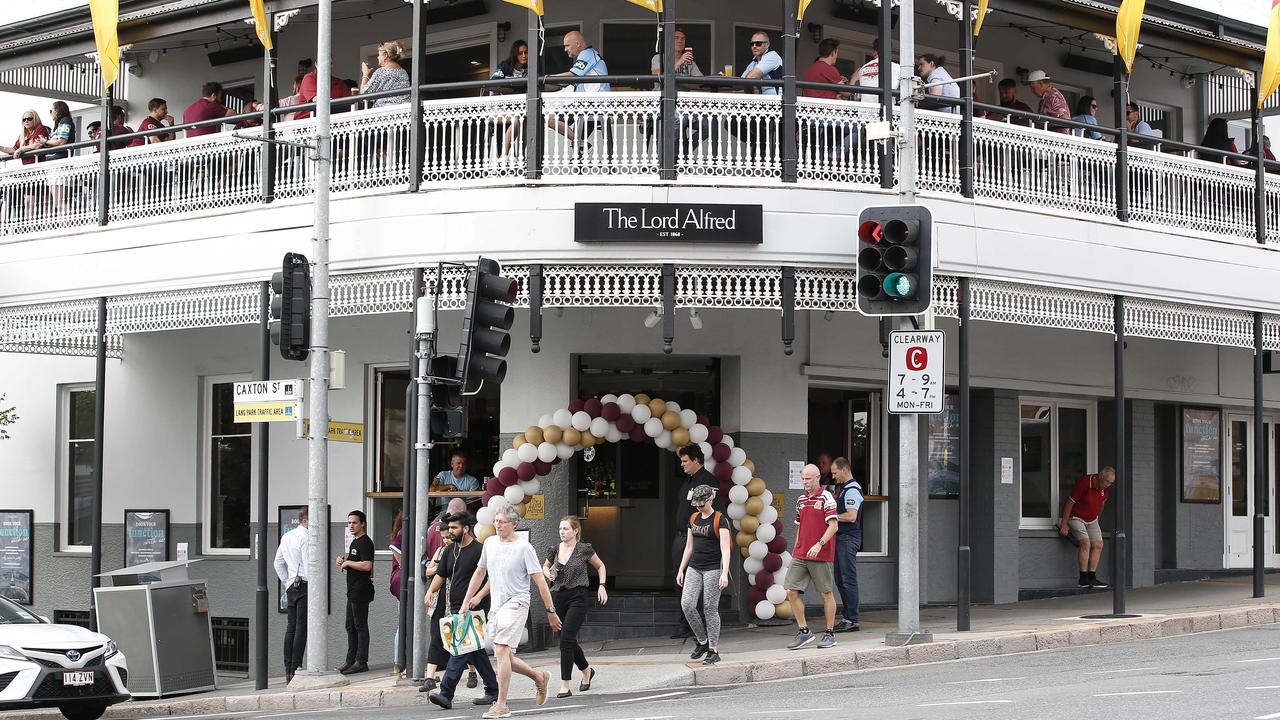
<point x="668" y="223"/>
<point x="146" y="536"/>
<point x="15" y="555"/>
<point x="1201" y="455"/>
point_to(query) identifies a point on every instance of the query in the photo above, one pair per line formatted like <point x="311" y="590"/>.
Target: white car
<point x="64" y="666"/>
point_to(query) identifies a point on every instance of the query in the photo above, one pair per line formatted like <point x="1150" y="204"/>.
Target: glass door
<point x="1242" y="499"/>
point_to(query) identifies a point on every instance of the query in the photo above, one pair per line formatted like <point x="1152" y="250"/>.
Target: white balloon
<point x="510" y="458"/>
<point x="738" y="494"/>
<point x="780" y="577"/>
<point x="641" y="413"/>
<point x="741" y="475"/>
<point x="546" y="421"/>
<point x="769" y="515"/>
<point x="698" y="433"/>
<point x="614" y="434"/>
<point x="765" y="610"/>
<point x="727" y="440"/>
<point x="532" y="487"/>
<point x="663" y="440"/>
<point x="484" y="516"/>
<point x="610" y="398"/>
<point x="736" y="511"/>
<point x="562" y="418"/>
<point x="757" y="549"/>
<point x="546" y="451"/>
<point x="599" y="427"/>
<point x="497" y="501"/>
<point x="706" y="452"/>
<point x="752" y="566"/>
<point x="581" y="421"/>
<point x="528" y="452"/>
<point x="514" y="494"/>
<point x="786" y="558"/>
<point x="653" y="427"/>
<point x="766" y="533"/>
<point x="626" y="402"/>
<point x="673" y="406"/>
<point x="497" y="468"/>
<point x="775" y="594"/>
<point x="709" y="463"/>
<point x="766" y="497"/>
<point x="688" y="419"/>
<point x="737" y="456"/>
<point x="564" y="452"/>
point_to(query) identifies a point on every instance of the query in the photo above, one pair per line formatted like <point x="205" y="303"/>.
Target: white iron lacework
<point x="946" y="296"/>
<point x="826" y="289"/>
<point x="184" y="309"/>
<point x="1271" y="332"/>
<point x="370" y="152"/>
<point x="729" y="135"/>
<point x="1182" y="192"/>
<point x="832" y="139"/>
<point x="938" y="151"/>
<point x="1203" y="325"/>
<point x="1017" y="304"/>
<point x="729" y="287"/>
<point x="371" y="293"/>
<point x="593" y="134"/>
<point x="601" y="285"/>
<point x="65" y="328"/>
<point x="474" y="139"/>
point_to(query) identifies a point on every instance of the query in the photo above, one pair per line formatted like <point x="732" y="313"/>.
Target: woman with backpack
<point x="704" y="572"/>
<point x="567" y="569"/>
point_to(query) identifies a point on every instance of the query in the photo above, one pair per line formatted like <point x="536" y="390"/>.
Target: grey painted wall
<point x="995" y="505"/>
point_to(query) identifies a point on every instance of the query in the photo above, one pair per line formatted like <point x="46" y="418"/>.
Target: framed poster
<point x="15" y="555"/>
<point x="1200" y="459"/>
<point x="944" y="449"/>
<point x="146" y="536"/>
<point x="286" y="520"/>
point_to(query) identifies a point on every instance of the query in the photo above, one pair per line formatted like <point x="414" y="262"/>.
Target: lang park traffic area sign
<point x="917" y="362"/>
<point x="267" y="400"/>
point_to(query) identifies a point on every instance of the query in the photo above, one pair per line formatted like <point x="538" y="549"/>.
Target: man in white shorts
<point x="510" y="563"/>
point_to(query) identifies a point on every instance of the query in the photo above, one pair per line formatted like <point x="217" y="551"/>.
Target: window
<point x="79" y="469"/>
<point x="629" y="47"/>
<point x="1057" y="447"/>
<point x="391" y="388"/>
<point x="554" y="60"/>
<point x="230" y="461"/>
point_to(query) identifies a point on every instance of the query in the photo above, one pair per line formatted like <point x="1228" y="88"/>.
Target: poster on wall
<point x="286" y="520"/>
<point x="146" y="536"/>
<point x="15" y="555"/>
<point x="944" y="450"/>
<point x="1201" y="455"/>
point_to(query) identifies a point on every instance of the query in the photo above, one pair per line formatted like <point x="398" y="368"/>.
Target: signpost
<point x="917" y="361"/>
<point x="268" y="400"/>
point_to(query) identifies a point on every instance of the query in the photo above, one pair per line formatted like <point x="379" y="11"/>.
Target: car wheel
<point x="83" y="711"/>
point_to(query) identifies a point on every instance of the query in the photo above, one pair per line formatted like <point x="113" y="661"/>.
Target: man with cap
<point x="1052" y="101"/>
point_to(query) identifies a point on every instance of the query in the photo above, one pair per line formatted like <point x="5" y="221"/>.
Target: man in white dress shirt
<point x="291" y="567"/>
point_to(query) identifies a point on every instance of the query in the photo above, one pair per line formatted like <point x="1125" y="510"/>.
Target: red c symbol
<point x="917" y="358"/>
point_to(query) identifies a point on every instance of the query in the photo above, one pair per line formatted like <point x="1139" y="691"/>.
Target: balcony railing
<point x="723" y="137"/>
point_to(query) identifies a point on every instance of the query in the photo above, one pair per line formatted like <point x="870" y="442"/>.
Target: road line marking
<point x="1112" y="672"/>
<point x="1139" y="692"/>
<point x="1272" y="716"/>
<point x="802" y="710"/>
<point x="985" y="680"/>
<point x="1259" y="660"/>
<point x="965" y="702"/>
<point x="651" y="717"/>
<point x="1264" y="687"/>
<point x="647" y="697"/>
<point x="545" y="708"/>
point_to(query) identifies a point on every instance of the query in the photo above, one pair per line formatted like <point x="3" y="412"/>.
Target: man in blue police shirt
<point x="765" y="63"/>
<point x="848" y="542"/>
<point x="586" y="62"/>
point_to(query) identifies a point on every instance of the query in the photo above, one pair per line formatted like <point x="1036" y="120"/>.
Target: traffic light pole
<point x="425" y="332"/>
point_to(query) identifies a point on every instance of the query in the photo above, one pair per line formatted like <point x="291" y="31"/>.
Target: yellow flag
<point x="654" y="5"/>
<point x="804" y="5"/>
<point x="1271" y="62"/>
<point x="534" y="5"/>
<point x="106" y="21"/>
<point x="1128" y="25"/>
<point x="260" y="25"/>
<point x="982" y="15"/>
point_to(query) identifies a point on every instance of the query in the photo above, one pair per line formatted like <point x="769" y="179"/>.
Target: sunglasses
<point x="28" y="119"/>
<point x="759" y="42"/>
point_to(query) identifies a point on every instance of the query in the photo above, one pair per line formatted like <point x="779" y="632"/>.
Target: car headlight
<point x="112" y="649"/>
<point x="11" y="653"/>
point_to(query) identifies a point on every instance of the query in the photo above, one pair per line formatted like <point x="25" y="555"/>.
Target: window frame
<point x="63" y="465"/>
<point x="1056" y="500"/>
<point x="680" y="24"/>
<point x="207" y="384"/>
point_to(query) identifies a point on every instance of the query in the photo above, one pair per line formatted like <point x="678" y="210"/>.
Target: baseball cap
<point x="701" y="495"/>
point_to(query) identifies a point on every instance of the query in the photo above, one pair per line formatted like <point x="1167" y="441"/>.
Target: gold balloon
<point x="552" y="434"/>
<point x="571" y="437"/>
<point x="519" y="507"/>
<point x="745" y="538"/>
<point x="642" y="399"/>
<point x="749" y="465"/>
<point x="588" y="440"/>
<point x="749" y="524"/>
<point x="679" y="437"/>
<point x="755" y="506"/>
<point x="657" y="407"/>
<point x="783" y="611"/>
<point x="670" y="419"/>
<point x="534" y="435"/>
<point x="484" y="531"/>
<point x="745" y="553"/>
<point x="756" y="486"/>
<point x="518" y="440"/>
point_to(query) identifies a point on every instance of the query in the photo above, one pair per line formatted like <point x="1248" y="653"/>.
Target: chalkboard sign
<point x="15" y="555"/>
<point x="1201" y="459"/>
<point x="146" y="536"/>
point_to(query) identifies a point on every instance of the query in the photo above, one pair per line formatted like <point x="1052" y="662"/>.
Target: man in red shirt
<point x="307" y="90"/>
<point x="157" y="117"/>
<point x="824" y="70"/>
<point x="210" y="106"/>
<point x="833" y="138"/>
<point x="814" y="554"/>
<point x="1080" y="518"/>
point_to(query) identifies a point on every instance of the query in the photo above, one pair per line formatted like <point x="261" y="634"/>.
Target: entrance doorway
<point x="1241" y="497"/>
<point x="627" y="490"/>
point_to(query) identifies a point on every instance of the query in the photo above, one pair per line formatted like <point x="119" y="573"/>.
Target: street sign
<point x="917" y="362"/>
<point x="267" y="400"/>
<point x="339" y="431"/>
<point x="266" y="412"/>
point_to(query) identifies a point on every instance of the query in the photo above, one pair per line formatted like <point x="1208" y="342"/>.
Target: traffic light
<point x="895" y="260"/>
<point x="448" y="406"/>
<point x="291" y="307"/>
<point x="485" y="326"/>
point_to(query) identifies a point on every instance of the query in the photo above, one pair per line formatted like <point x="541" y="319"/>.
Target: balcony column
<point x="1121" y="95"/>
<point x="270" y="98"/>
<point x="1260" y="155"/>
<point x="104" y="169"/>
<point x="417" y="73"/>
<point x="886" y="90"/>
<point x="966" y="94"/>
<point x="670" y="124"/>
<point x="790" y="38"/>
<point x="533" y="118"/>
<point x="1120" y="553"/>
<point x="1260" y="470"/>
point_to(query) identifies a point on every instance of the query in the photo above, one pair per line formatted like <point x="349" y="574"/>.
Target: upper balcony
<point x="716" y="133"/>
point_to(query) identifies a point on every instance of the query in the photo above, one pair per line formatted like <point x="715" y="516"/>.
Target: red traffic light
<point x="870" y="232"/>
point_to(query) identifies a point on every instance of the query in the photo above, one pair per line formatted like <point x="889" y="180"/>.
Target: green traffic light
<point x="900" y="286"/>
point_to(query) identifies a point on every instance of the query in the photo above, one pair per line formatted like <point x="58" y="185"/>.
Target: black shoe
<point x="485" y="700"/>
<point x="698" y="651"/>
<point x="345" y="667"/>
<point x="428" y="685"/>
<point x="438" y="699"/>
<point x="682" y="634"/>
<point x="712" y="658"/>
<point x="1084" y="581"/>
<point x="565" y="694"/>
<point x="1097" y="584"/>
<point x="357" y="668"/>
<point x="288" y="678"/>
<point x="472" y="680"/>
<point x="846" y="626"/>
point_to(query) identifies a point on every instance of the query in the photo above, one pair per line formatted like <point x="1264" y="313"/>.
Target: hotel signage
<point x="668" y="223"/>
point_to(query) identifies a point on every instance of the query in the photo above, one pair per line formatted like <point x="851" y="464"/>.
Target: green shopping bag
<point x="463" y="633"/>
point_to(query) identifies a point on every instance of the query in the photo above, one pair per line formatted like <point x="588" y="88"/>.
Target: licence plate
<point x="73" y="679"/>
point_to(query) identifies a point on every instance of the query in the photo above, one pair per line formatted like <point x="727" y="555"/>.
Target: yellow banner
<point x="982" y="15"/>
<point x="804" y="5"/>
<point x="1128" y="25"/>
<point x="654" y="5"/>
<point x="777" y="503"/>
<point x="266" y="412"/>
<point x="536" y="509"/>
<point x="106" y="22"/>
<point x="260" y="25"/>
<point x="534" y="5"/>
<point x="1271" y="62"/>
<point x="340" y="431"/>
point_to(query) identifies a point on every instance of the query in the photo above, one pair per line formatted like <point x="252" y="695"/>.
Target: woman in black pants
<point x="567" y="572"/>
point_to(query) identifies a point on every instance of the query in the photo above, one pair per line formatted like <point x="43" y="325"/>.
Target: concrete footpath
<point x="757" y="654"/>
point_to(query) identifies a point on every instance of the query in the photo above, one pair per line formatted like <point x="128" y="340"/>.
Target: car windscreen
<point x="12" y="614"/>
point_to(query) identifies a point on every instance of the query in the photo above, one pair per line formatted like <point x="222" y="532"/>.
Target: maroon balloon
<point x="638" y="435"/>
<point x="575" y="406"/>
<point x="556" y="461"/>
<point x="610" y="411"/>
<point x="721" y="454"/>
<point x="541" y="467"/>
<point x="507" y="476"/>
<point x="725" y="487"/>
<point x="626" y="423"/>
<point x="494" y="486"/>
<point x="526" y="471"/>
<point x="484" y="501"/>
<point x="723" y="471"/>
<point x="754" y="596"/>
<point x="764" y="579"/>
<point x="593" y="407"/>
<point x="772" y="562"/>
<point x="714" y="434"/>
<point x="704" y="421"/>
<point x="777" y="544"/>
<point x="777" y="525"/>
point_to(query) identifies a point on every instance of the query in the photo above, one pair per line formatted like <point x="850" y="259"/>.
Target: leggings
<point x="571" y="606"/>
<point x="702" y="585"/>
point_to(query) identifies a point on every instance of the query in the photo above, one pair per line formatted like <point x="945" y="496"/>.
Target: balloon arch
<point x="517" y="476"/>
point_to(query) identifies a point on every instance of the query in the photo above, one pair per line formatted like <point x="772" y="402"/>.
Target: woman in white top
<point x="930" y="67"/>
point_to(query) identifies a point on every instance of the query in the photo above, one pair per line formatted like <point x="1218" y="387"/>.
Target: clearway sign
<point x="917" y="361"/>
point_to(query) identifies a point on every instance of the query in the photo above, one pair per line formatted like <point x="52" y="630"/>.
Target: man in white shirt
<point x="765" y="64"/>
<point x="291" y="567"/>
<point x="685" y="64"/>
<point x="869" y="75"/>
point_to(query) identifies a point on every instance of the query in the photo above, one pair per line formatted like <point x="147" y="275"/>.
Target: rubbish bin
<point x="160" y="620"/>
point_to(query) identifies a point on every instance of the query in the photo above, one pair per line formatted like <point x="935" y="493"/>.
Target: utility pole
<point x="425" y="332"/>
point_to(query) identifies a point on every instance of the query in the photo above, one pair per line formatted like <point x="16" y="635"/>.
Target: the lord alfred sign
<point x="662" y="222"/>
